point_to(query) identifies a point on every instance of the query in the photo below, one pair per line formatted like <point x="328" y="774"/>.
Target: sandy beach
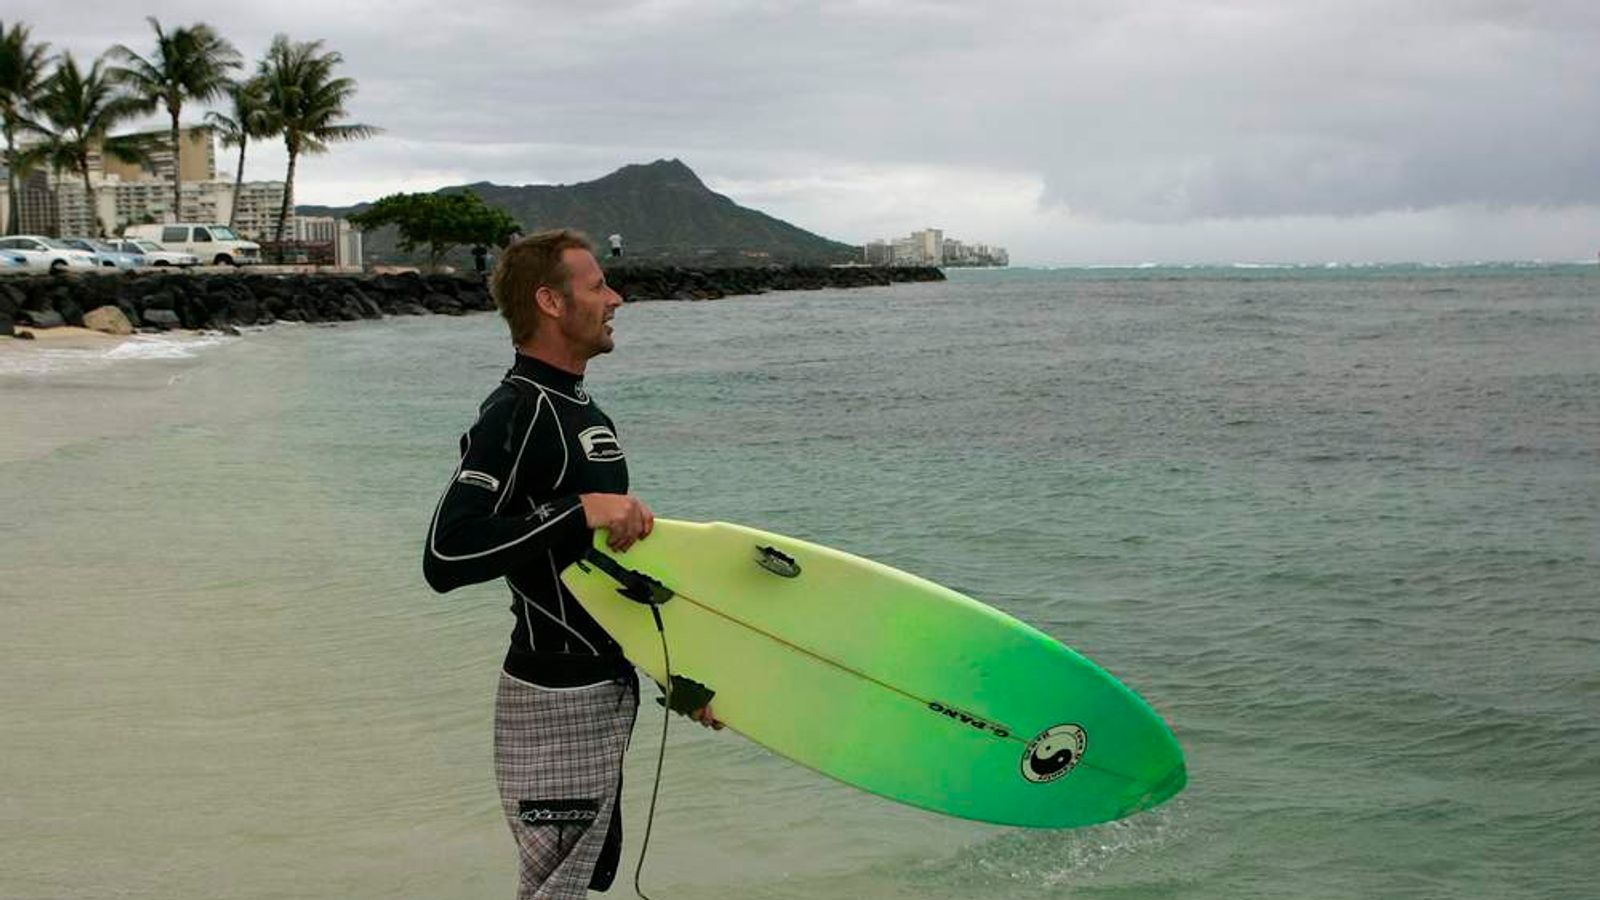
<point x="69" y="352"/>
<point x="66" y="337"/>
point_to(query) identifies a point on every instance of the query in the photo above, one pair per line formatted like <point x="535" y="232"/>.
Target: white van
<point x="214" y="244"/>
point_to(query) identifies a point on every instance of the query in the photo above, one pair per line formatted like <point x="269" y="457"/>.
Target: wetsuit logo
<point x="479" y="479"/>
<point x="1054" y="753"/>
<point x="599" y="444"/>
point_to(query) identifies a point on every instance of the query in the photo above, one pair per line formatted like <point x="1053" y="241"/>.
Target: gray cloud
<point x="1163" y="112"/>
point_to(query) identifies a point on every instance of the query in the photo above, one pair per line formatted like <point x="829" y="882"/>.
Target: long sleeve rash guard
<point x="512" y="511"/>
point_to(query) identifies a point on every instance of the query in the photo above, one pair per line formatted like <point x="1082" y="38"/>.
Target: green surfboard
<point x="881" y="679"/>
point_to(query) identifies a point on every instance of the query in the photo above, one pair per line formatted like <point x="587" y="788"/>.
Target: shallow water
<point x="1338" y="527"/>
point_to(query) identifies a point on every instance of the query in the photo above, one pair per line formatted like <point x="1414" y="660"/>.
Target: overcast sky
<point x="1071" y="132"/>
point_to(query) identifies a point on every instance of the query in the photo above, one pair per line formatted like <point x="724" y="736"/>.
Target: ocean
<point x="1340" y="526"/>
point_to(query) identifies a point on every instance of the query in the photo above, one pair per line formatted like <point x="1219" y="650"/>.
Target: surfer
<point x="540" y="470"/>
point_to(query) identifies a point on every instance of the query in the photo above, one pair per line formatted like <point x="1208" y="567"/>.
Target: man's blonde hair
<point x="527" y="265"/>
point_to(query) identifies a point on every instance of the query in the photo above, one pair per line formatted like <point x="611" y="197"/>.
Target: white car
<point x="156" y="255"/>
<point x="214" y="243"/>
<point x="108" y="256"/>
<point x="50" y="255"/>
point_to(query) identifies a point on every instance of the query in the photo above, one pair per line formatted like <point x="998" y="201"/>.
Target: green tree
<point x="306" y="102"/>
<point x="22" y="76"/>
<point x="81" y="109"/>
<point x="247" y="117"/>
<point x="439" y="222"/>
<point x="189" y="63"/>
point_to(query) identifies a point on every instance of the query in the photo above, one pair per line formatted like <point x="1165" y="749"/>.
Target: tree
<point x="82" y="109"/>
<point x="439" y="222"/>
<point x="248" y="117"/>
<point x="22" y="77"/>
<point x="306" y="102"/>
<point x="189" y="64"/>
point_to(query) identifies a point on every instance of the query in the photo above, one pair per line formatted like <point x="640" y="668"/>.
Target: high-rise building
<point x="197" y="157"/>
<point x="127" y="193"/>
<point x="258" y="205"/>
<point x="930" y="247"/>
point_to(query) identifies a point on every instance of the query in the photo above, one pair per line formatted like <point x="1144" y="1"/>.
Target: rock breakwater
<point x="219" y="300"/>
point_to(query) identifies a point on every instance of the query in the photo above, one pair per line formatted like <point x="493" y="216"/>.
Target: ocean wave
<point x="152" y="347"/>
<point x="45" y="361"/>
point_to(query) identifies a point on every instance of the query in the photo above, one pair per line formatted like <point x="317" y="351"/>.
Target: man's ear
<point x="550" y="301"/>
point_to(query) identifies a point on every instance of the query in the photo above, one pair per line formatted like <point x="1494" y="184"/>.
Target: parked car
<point x="215" y="244"/>
<point x="156" y="255"/>
<point x="109" y="256"/>
<point x="46" y="254"/>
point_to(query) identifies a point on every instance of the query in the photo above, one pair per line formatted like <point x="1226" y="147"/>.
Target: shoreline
<point x="73" y="337"/>
<point x="218" y="301"/>
<point x="63" y="337"/>
<point x="69" y="350"/>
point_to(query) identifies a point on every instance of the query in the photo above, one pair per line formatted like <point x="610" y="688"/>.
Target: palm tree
<point x="248" y="117"/>
<point x="21" y="80"/>
<point x="190" y="63"/>
<point x="82" y="109"/>
<point x="306" y="103"/>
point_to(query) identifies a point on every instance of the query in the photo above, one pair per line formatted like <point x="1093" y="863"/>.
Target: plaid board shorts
<point x="558" y="761"/>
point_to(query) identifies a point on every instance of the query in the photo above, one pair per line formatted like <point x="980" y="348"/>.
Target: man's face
<point x="589" y="305"/>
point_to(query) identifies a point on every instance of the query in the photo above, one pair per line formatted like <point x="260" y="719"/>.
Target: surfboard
<point x="881" y="679"/>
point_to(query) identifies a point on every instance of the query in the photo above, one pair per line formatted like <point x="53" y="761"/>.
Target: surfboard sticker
<point x="1054" y="753"/>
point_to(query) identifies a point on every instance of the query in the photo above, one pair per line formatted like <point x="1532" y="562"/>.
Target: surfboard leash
<point x="661" y="756"/>
<point x="645" y="590"/>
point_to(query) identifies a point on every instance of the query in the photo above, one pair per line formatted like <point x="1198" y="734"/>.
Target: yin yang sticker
<point x="1054" y="753"/>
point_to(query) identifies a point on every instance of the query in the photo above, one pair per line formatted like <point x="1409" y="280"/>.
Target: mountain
<point x="663" y="211"/>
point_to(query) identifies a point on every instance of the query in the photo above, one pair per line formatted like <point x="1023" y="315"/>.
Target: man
<point x="540" y="470"/>
<point x="616" y="246"/>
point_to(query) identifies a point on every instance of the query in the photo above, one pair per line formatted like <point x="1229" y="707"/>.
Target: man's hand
<point x="624" y="516"/>
<point x="706" y="717"/>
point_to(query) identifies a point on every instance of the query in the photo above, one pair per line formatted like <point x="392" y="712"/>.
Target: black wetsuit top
<point x="512" y="511"/>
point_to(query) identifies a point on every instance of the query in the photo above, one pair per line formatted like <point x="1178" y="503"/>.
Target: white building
<point x="930" y="247"/>
<point x="259" y="203"/>
<point x="125" y="194"/>
<point x="346" y="240"/>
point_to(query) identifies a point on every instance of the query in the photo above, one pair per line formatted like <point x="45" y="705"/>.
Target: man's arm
<point x="476" y="535"/>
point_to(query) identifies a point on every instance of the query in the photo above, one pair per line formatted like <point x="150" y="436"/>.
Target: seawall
<point x="196" y="300"/>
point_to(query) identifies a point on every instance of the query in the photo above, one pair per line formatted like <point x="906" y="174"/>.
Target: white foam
<point x="45" y="361"/>
<point x="150" y="347"/>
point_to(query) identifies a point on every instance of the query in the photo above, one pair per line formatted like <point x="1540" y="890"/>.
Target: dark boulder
<point x="442" y="303"/>
<point x="162" y="318"/>
<point x="43" y="318"/>
<point x="369" y="307"/>
<point x="11" y="300"/>
<point x="70" y="311"/>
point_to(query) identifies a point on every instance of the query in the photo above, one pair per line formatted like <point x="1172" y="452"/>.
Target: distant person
<point x="616" y="246"/>
<point x="540" y="470"/>
<point x="480" y="258"/>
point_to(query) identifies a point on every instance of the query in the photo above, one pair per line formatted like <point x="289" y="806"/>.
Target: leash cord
<point x="661" y="756"/>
